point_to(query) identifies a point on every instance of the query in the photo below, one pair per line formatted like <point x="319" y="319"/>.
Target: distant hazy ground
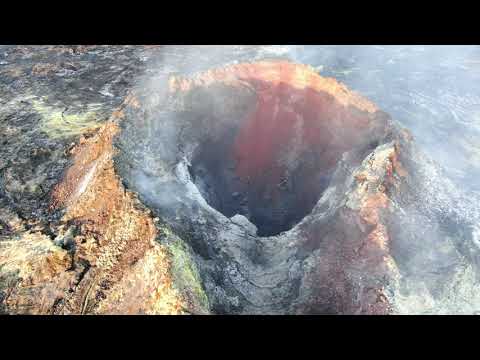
<point x="432" y="90"/>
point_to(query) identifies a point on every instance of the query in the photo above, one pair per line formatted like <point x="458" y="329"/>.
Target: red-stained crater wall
<point x="326" y="128"/>
<point x="286" y="148"/>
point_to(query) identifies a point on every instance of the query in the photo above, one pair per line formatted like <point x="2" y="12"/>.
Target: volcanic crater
<point x="236" y="160"/>
<point x="253" y="188"/>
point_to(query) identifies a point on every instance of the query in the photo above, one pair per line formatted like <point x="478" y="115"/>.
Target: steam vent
<point x="254" y="188"/>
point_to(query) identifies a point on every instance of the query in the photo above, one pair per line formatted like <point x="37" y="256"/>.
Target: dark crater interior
<point x="273" y="206"/>
<point x="264" y="158"/>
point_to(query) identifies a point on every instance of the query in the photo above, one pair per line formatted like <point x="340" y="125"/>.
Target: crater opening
<point x="262" y="140"/>
<point x="274" y="200"/>
<point x="275" y="153"/>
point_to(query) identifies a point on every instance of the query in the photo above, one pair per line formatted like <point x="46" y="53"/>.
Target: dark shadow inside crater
<point x="272" y="205"/>
<point x="273" y="161"/>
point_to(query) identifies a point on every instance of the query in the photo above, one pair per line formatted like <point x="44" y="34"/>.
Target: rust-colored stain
<point x="132" y="101"/>
<point x="44" y="69"/>
<point x="115" y="237"/>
